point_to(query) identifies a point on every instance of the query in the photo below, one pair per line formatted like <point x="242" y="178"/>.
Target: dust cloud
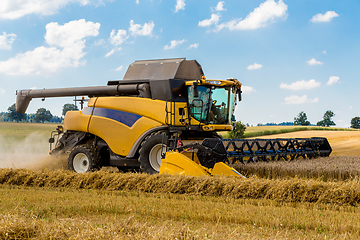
<point x="30" y="153"/>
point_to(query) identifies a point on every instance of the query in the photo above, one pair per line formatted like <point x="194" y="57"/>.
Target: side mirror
<point x="239" y="94"/>
<point x="196" y="90"/>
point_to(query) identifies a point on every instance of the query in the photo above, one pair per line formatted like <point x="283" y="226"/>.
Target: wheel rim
<point x="81" y="163"/>
<point x="155" y="156"/>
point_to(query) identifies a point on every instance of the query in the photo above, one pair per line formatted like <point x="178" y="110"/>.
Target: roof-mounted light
<point x="214" y="82"/>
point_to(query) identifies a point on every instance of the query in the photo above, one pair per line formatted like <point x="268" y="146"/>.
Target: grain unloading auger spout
<point x="23" y="97"/>
<point x="209" y="158"/>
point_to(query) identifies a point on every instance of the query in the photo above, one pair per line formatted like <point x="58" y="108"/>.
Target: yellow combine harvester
<point x="143" y="120"/>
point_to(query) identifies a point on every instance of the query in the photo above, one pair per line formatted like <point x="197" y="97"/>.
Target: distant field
<point x="271" y="128"/>
<point x="21" y="130"/>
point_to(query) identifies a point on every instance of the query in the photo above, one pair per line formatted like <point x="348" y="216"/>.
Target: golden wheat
<point x="63" y="213"/>
<point x="288" y="190"/>
<point x="333" y="168"/>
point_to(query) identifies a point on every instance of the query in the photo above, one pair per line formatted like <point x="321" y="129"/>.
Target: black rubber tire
<point x="150" y="159"/>
<point x="83" y="159"/>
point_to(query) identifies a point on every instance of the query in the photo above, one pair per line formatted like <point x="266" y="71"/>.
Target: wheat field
<point x="302" y="199"/>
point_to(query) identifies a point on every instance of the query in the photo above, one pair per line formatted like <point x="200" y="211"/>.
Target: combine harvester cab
<point x="144" y="118"/>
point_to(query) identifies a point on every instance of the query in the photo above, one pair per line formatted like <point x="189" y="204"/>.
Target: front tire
<point x="82" y="159"/>
<point x="151" y="152"/>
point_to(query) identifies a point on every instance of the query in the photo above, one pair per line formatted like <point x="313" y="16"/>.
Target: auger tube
<point x="23" y="97"/>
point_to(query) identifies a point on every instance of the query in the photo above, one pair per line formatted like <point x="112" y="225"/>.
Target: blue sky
<point x="291" y="56"/>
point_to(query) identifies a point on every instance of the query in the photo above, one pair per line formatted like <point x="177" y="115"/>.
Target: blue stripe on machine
<point x="124" y="117"/>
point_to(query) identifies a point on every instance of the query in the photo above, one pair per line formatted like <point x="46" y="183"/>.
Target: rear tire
<point x="83" y="159"/>
<point x="151" y="152"/>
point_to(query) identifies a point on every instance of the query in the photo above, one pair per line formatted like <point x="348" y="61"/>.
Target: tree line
<point x="301" y="119"/>
<point x="42" y="115"/>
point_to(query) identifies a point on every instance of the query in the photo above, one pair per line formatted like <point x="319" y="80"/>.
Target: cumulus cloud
<point x="293" y="99"/>
<point x="333" y="80"/>
<point x="180" y="5"/>
<point x="66" y="42"/>
<point x="137" y="2"/>
<point x="174" y="43"/>
<point x="247" y="89"/>
<point x="324" y="17"/>
<point x="117" y="38"/>
<point x="301" y="85"/>
<point x="214" y="19"/>
<point x="254" y="66"/>
<point x="6" y="40"/>
<point x="220" y="6"/>
<point x="14" y="9"/>
<point x="120" y="36"/>
<point x="314" y="62"/>
<point x="195" y="45"/>
<point x="144" y="30"/>
<point x="266" y="13"/>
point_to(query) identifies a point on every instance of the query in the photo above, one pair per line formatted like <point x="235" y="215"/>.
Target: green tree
<point x="301" y="119"/>
<point x="327" y="122"/>
<point x="42" y="115"/>
<point x="238" y="131"/>
<point x="13" y="115"/>
<point x="355" y="122"/>
<point x="69" y="107"/>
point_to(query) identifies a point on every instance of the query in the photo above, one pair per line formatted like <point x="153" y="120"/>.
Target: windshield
<point x="214" y="105"/>
<point x="200" y="105"/>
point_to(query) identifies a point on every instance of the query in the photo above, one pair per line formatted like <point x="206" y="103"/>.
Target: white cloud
<point x="2" y="91"/>
<point x="71" y="34"/>
<point x="174" y="43"/>
<point x="6" y="40"/>
<point x="293" y="99"/>
<point x="14" y="9"/>
<point x="220" y="6"/>
<point x="180" y="5"/>
<point x="119" y="68"/>
<point x="99" y="42"/>
<point x="214" y="19"/>
<point x="301" y="85"/>
<point x="137" y="2"/>
<point x="314" y="62"/>
<point x="333" y="80"/>
<point x="324" y="52"/>
<point x="110" y="53"/>
<point x="195" y="45"/>
<point x="144" y="30"/>
<point x="247" y="89"/>
<point x="266" y="13"/>
<point x="66" y="49"/>
<point x="254" y="66"/>
<point x="324" y="17"/>
<point x="118" y="38"/>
